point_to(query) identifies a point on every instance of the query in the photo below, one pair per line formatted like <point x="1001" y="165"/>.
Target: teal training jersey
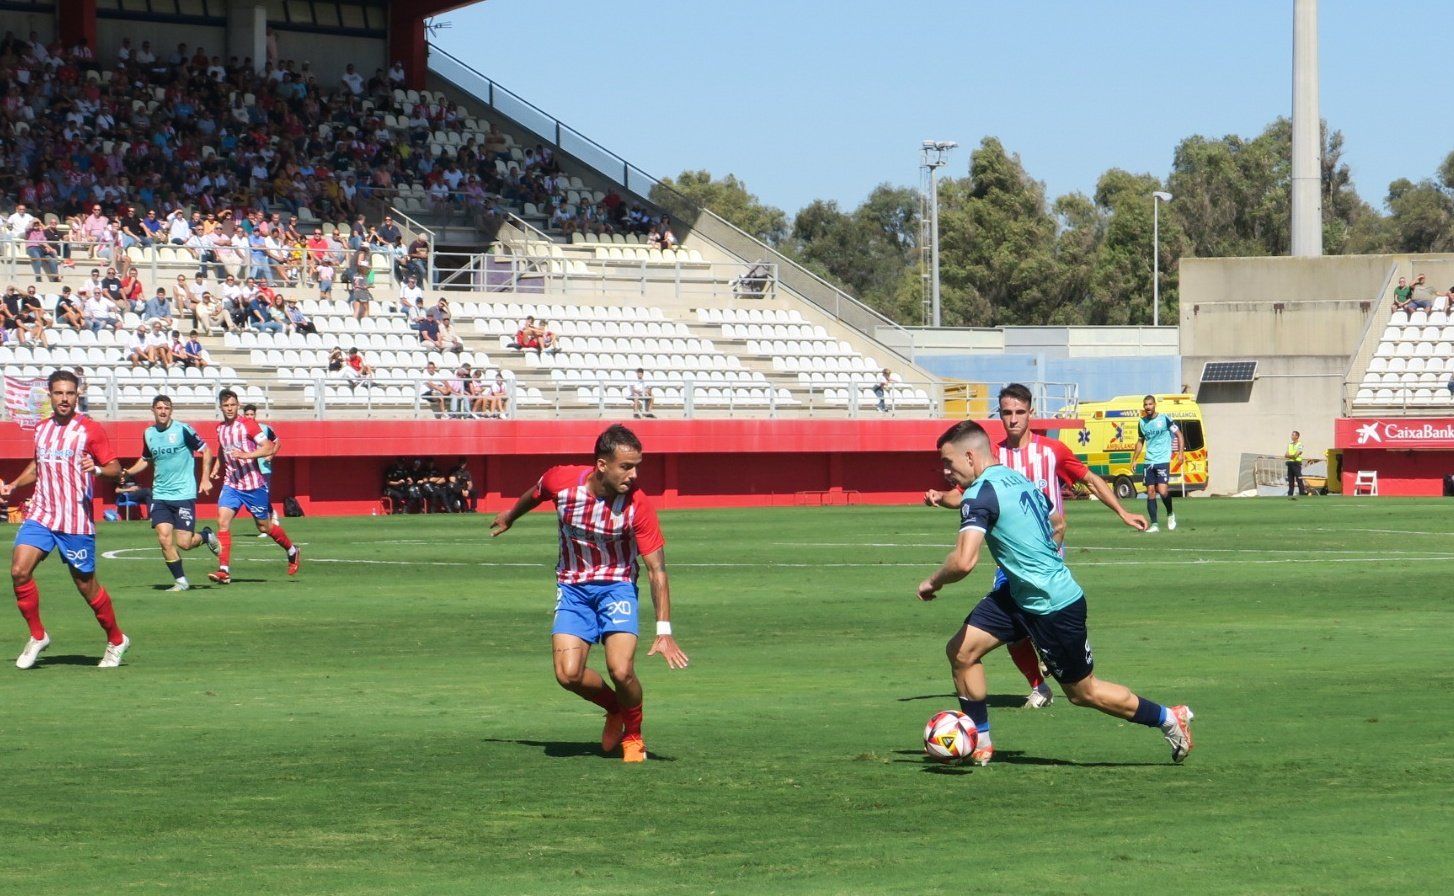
<point x="265" y="464"/>
<point x="170" y="453"/>
<point x="1014" y="516"/>
<point x="1156" y="433"/>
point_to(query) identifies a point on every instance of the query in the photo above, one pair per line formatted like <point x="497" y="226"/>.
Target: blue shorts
<point x="1157" y="474"/>
<point x="1059" y="637"/>
<point x="592" y="610"/>
<point x="77" y="551"/>
<point x="254" y="499"/>
<point x="177" y="514"/>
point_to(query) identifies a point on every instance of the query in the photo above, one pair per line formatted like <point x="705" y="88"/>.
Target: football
<point x="950" y="737"/>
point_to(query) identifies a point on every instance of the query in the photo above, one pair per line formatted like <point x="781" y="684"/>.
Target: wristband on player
<point x="662" y="628"/>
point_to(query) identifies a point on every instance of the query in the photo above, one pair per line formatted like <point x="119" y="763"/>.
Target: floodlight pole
<point x="1157" y="197"/>
<point x="934" y="154"/>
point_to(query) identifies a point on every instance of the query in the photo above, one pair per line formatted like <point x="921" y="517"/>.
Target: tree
<point x="866" y="253"/>
<point x="996" y="243"/>
<point x="727" y="197"/>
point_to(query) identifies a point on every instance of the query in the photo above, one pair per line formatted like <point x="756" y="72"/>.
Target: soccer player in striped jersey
<point x="606" y="525"/>
<point x="1047" y="463"/>
<point x="1039" y="598"/>
<point x="169" y="445"/>
<point x="240" y="443"/>
<point x="70" y="450"/>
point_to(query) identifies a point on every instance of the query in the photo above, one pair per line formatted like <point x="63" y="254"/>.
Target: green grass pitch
<point x="388" y="723"/>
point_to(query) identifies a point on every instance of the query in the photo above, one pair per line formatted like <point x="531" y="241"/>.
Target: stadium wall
<point x="336" y="468"/>
<point x="1301" y="319"/>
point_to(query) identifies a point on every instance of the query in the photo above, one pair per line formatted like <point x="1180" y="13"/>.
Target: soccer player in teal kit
<point x="1039" y="599"/>
<point x="169" y="446"/>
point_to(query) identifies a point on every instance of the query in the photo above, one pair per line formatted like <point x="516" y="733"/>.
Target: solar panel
<point x="1229" y="371"/>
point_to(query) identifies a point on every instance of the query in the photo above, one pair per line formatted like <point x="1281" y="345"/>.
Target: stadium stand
<point x="163" y="169"/>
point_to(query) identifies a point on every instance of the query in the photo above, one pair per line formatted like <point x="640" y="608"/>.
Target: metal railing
<point x="562" y="274"/>
<point x="711" y="227"/>
<point x="1400" y="399"/>
<point x="395" y="395"/>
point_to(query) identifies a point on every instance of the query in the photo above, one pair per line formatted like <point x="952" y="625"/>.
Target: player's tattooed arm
<point x="664" y="644"/>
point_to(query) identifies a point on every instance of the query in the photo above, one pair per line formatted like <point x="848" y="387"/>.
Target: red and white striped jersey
<point x="600" y="538"/>
<point x="1046" y="462"/>
<point x="242" y="433"/>
<point x="63" y="491"/>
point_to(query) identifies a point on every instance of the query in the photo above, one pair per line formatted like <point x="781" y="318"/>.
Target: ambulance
<point x="1109" y="439"/>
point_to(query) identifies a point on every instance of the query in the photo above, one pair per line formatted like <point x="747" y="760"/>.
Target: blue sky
<point x="817" y="99"/>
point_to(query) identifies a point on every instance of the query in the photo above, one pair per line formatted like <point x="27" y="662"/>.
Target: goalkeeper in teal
<point x="1159" y="434"/>
<point x="1039" y="599"/>
<point x="168" y="445"/>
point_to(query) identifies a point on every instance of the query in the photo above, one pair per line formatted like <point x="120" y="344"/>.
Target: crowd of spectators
<point x="187" y="148"/>
<point x="419" y="486"/>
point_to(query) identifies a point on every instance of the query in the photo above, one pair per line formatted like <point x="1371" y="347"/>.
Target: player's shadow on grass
<point x="557" y="749"/>
<point x="193" y="588"/>
<point x="1017" y="757"/>
<point x="996" y="701"/>
<point x="69" y="659"/>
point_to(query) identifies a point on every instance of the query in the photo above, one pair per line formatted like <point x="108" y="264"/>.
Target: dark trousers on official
<point x="1294" y="477"/>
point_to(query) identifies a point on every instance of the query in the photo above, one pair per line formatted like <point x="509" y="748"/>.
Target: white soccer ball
<point x="950" y="737"/>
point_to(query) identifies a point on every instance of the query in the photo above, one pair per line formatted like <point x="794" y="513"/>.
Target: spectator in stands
<point x="69" y="311"/>
<point x="111" y="286"/>
<point x="1423" y="297"/>
<point x="156" y="309"/>
<point x="448" y="339"/>
<point x="528" y="336"/>
<point x="298" y="322"/>
<point x="100" y="312"/>
<point x="641" y="396"/>
<point x="325" y="273"/>
<point x="336" y="360"/>
<point x="132" y="293"/>
<point x="881" y="389"/>
<point x="359" y="296"/>
<point x="411" y="299"/>
<point x="498" y="399"/>
<point x="44" y="256"/>
<point x="260" y="315"/>
<point x="209" y="315"/>
<point x="1403" y="296"/>
<point x="416" y="262"/>
<point x="357" y="371"/>
<point x="192" y="352"/>
<point x="429" y="333"/>
<point x="159" y="344"/>
<point x="352" y="80"/>
<point x="435" y="389"/>
<point x="137" y="351"/>
<point x="548" y="342"/>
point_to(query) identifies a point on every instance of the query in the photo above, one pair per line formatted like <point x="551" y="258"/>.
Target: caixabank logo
<point x="1397" y="432"/>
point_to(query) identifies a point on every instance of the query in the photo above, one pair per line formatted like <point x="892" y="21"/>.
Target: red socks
<point x="606" y="699"/>
<point x="224" y="554"/>
<point x="105" y="615"/>
<point x="1023" y="653"/>
<point x="632" y="715"/>
<point x="27" y="598"/>
<point x="277" y="534"/>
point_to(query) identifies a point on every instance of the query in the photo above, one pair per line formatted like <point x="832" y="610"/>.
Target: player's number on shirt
<point x="1034" y="505"/>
